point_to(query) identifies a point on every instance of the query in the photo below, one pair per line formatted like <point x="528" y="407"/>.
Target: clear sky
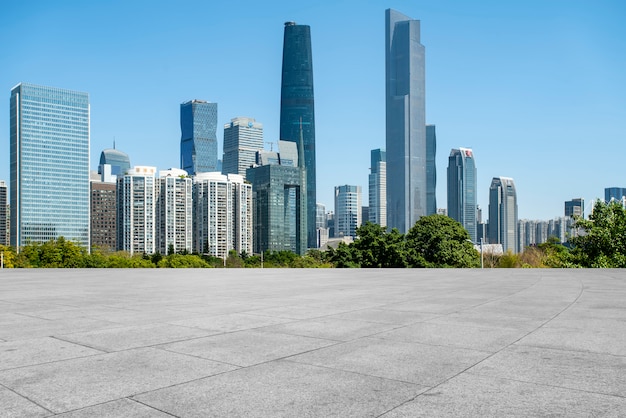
<point x="537" y="88"/>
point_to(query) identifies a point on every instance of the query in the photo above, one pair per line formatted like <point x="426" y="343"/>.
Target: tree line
<point x="434" y="241"/>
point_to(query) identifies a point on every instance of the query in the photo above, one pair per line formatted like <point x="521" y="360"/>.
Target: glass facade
<point x="297" y="115"/>
<point x="614" y="193"/>
<point x="49" y="164"/>
<point x="431" y="170"/>
<point x="378" y="188"/>
<point x="405" y="121"/>
<point x="243" y="137"/>
<point x="503" y="213"/>
<point x="118" y="160"/>
<point x="347" y="210"/>
<point x="198" y="143"/>
<point x="462" y="198"/>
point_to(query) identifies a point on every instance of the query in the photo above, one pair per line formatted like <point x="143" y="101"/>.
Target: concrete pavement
<point x="312" y="343"/>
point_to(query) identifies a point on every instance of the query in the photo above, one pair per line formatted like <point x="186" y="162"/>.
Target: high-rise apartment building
<point x="347" y="210"/>
<point x="243" y="137"/>
<point x="321" y="225"/>
<point x="462" y="189"/>
<point x="198" y="143"/>
<point x="104" y="212"/>
<point x="174" y="227"/>
<point x="118" y="160"/>
<point x="3" y="213"/>
<point x="297" y="110"/>
<point x="222" y="219"/>
<point x="49" y="165"/>
<point x="378" y="188"/>
<point x="136" y="206"/>
<point x="405" y="122"/>
<point x="280" y="202"/>
<point x="614" y="193"/>
<point x="575" y="208"/>
<point x="503" y="213"/>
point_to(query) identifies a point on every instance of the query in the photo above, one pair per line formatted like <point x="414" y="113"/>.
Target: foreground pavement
<point x="312" y="343"/>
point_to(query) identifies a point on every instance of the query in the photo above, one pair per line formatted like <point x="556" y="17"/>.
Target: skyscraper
<point x="3" y="213"/>
<point x="431" y="170"/>
<point x="174" y="211"/>
<point x="297" y="113"/>
<point x="280" y="207"/>
<point x="104" y="214"/>
<point x="118" y="160"/>
<point x="575" y="207"/>
<point x="503" y="213"/>
<point x="462" y="189"/>
<point x="378" y="188"/>
<point x="198" y="142"/>
<point x="614" y="193"/>
<point x="405" y="121"/>
<point x="49" y="165"/>
<point x="136" y="205"/>
<point x="243" y="137"/>
<point x="347" y="210"/>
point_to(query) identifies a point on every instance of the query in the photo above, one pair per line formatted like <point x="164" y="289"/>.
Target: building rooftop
<point x="263" y="342"/>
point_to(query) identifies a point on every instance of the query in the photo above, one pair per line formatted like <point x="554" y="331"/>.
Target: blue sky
<point x="537" y="88"/>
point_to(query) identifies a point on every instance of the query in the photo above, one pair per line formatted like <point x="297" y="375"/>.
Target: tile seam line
<point x="582" y="289"/>
<point x="113" y="400"/>
<point x="25" y="397"/>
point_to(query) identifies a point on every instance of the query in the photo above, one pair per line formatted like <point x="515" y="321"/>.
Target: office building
<point x="575" y="208"/>
<point x="347" y="210"/>
<point x="198" y="142"/>
<point x="243" y="137"/>
<point x="378" y="188"/>
<point x="321" y="225"/>
<point x="118" y="160"/>
<point x="3" y="213"/>
<point x="503" y="213"/>
<point x="49" y="165"/>
<point x="297" y="110"/>
<point x="614" y="193"/>
<point x="222" y="219"/>
<point x="136" y="210"/>
<point x="174" y="227"/>
<point x="280" y="207"/>
<point x="405" y="122"/>
<point x="431" y="170"/>
<point x="462" y="189"/>
<point x="104" y="211"/>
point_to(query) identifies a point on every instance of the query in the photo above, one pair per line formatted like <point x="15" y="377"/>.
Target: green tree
<point x="440" y="241"/>
<point x="9" y="258"/>
<point x="344" y="256"/>
<point x="602" y="241"/>
<point x="182" y="261"/>
<point x="378" y="248"/>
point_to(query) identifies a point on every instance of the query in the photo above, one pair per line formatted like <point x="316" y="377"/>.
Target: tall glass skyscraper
<point x="198" y="142"/>
<point x="503" y="213"/>
<point x="347" y="210"/>
<point x="118" y="160"/>
<point x="462" y="199"/>
<point x="49" y="136"/>
<point x="431" y="170"/>
<point x="378" y="188"/>
<point x="243" y="137"/>
<point x="614" y="193"/>
<point x="406" y="122"/>
<point x="297" y="115"/>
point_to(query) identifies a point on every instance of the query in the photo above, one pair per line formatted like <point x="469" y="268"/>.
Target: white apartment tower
<point x="222" y="219"/>
<point x="136" y="204"/>
<point x="174" y="214"/>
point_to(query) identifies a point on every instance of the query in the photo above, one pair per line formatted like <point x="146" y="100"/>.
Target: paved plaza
<point x="312" y="343"/>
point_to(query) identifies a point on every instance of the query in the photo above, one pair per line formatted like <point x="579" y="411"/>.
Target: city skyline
<point x="528" y="101"/>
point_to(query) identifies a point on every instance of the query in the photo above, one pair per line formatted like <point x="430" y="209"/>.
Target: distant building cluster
<point x="252" y="199"/>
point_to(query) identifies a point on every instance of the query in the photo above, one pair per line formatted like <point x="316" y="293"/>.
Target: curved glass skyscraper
<point x="297" y="115"/>
<point x="198" y="142"/>
<point x="503" y="213"/>
<point x="406" y="122"/>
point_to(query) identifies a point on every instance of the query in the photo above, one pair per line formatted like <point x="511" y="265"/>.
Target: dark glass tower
<point x="462" y="198"/>
<point x="406" y="122"/>
<point x="431" y="170"/>
<point x="297" y="115"/>
<point x="198" y="142"/>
